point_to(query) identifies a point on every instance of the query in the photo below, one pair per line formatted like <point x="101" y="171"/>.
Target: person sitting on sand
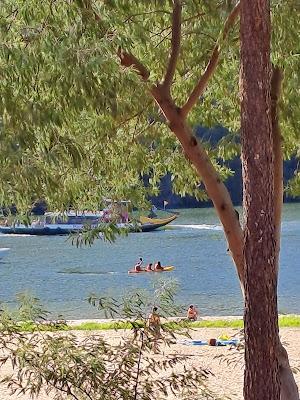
<point x="153" y="323"/>
<point x="192" y="313"/>
<point x="158" y="267"/>
<point x="149" y="267"/>
<point x="138" y="265"/>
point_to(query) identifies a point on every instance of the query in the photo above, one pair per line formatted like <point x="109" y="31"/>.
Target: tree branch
<point x="175" y="44"/>
<point x="276" y="81"/>
<point x="212" y="64"/>
<point x="129" y="60"/>
<point x="215" y="188"/>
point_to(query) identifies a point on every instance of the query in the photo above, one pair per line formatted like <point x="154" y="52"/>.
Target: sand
<point x="227" y="379"/>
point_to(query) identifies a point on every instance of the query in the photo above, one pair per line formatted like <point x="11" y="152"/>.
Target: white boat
<point x="4" y="251"/>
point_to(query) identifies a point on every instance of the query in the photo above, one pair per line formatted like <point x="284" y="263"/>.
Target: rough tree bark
<point x="261" y="379"/>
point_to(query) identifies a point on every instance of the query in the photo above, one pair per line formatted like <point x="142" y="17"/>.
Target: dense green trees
<point x="61" y="77"/>
<point x="94" y="94"/>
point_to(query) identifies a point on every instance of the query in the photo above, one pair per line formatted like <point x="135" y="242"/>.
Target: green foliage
<point x="106" y="231"/>
<point x="92" y="367"/>
<point x="136" y="304"/>
<point x="76" y="127"/>
<point x="293" y="187"/>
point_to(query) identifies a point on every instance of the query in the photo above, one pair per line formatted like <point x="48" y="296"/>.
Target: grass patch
<point x="285" y="321"/>
<point x="289" y="321"/>
<point x="219" y="323"/>
<point x="101" y="326"/>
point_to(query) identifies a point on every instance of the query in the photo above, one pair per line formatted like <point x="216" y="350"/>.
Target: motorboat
<point x="77" y="223"/>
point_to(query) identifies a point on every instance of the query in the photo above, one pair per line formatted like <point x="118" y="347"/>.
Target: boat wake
<point x="199" y="227"/>
<point x="14" y="235"/>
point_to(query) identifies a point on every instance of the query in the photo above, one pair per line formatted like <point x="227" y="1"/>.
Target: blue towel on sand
<point x="232" y="342"/>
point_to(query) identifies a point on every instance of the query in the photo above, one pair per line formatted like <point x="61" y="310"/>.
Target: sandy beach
<point x="227" y="380"/>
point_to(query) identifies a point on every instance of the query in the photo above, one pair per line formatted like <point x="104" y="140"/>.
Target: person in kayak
<point x="149" y="267"/>
<point x="138" y="265"/>
<point x="158" y="267"/>
<point x="192" y="313"/>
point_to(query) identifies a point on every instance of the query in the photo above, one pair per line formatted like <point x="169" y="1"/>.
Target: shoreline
<point x="74" y="322"/>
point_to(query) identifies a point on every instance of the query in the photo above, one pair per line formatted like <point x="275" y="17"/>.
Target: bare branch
<point x="212" y="64"/>
<point x="175" y="44"/>
<point x="129" y="60"/>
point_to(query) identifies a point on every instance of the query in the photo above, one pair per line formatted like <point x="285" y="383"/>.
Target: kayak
<point x="167" y="268"/>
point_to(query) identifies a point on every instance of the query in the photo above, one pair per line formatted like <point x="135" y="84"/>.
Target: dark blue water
<point x="63" y="276"/>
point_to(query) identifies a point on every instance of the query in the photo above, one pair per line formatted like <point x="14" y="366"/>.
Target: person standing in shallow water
<point x="153" y="324"/>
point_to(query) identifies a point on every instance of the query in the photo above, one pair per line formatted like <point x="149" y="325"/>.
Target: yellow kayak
<point x="167" y="268"/>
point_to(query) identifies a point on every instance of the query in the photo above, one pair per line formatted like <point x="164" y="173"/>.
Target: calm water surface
<point x="63" y="276"/>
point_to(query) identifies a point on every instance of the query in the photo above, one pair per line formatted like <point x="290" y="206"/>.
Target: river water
<point x="63" y="276"/>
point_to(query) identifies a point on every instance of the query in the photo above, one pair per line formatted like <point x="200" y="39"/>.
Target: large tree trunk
<point x="261" y="379"/>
